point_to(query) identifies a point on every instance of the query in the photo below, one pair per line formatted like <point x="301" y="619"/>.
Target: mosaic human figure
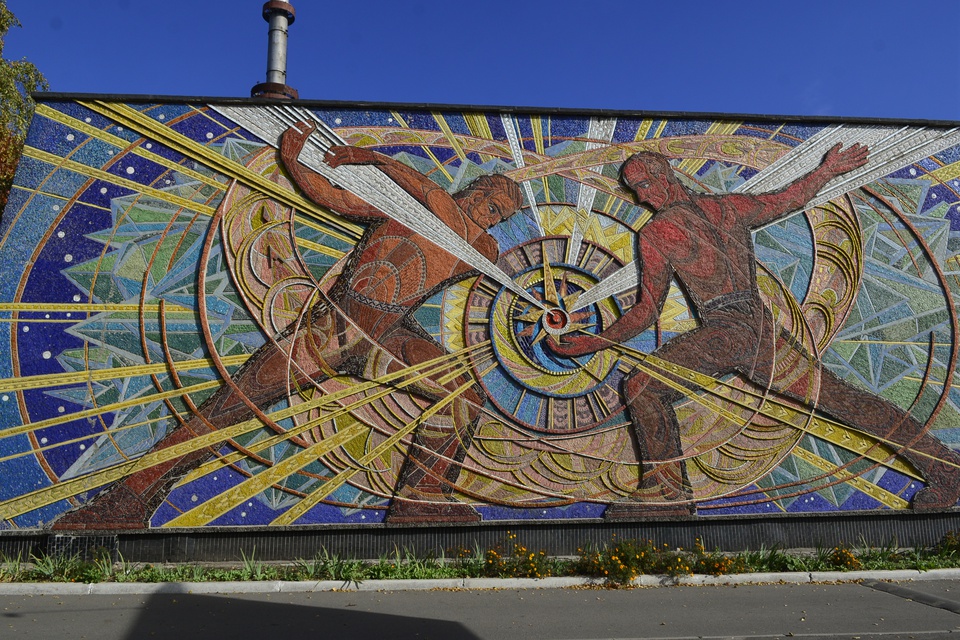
<point x="705" y="242"/>
<point x="368" y="309"/>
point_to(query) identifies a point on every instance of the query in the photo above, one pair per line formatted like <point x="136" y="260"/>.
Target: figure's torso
<point x="396" y="270"/>
<point x="707" y="245"/>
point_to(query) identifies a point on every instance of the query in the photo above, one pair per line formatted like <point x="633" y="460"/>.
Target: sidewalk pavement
<point x="313" y="586"/>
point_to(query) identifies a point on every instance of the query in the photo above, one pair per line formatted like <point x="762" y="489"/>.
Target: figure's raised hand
<point x="346" y="154"/>
<point x="839" y="161"/>
<point x="293" y="139"/>
<point x="573" y="346"/>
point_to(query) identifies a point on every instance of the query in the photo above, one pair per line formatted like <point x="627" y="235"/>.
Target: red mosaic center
<point x="556" y="319"/>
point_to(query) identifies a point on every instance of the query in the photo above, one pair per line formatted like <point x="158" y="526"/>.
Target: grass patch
<point x="615" y="563"/>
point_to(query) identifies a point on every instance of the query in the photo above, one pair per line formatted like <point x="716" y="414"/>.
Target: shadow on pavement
<point x="188" y="617"/>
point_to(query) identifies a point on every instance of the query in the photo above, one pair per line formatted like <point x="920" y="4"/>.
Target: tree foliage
<point x="17" y="79"/>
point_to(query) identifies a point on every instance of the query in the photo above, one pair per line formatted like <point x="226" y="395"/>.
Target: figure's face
<point x="651" y="189"/>
<point x="488" y="208"/>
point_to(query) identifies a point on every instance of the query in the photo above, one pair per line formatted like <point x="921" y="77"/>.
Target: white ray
<point x="513" y="139"/>
<point x="269" y="122"/>
<point x="599" y="129"/>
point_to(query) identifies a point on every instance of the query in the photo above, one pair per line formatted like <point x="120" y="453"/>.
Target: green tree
<point x="17" y="79"/>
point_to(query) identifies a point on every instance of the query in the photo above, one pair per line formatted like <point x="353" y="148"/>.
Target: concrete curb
<point x="849" y="576"/>
<point x="399" y="585"/>
<point x="749" y="578"/>
<point x="939" y="574"/>
<point x="276" y="586"/>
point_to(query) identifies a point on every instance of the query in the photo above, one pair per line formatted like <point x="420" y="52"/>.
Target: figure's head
<point x="651" y="177"/>
<point x="490" y="199"/>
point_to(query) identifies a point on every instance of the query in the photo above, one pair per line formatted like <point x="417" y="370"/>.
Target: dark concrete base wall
<point x="559" y="538"/>
<point x="16" y="544"/>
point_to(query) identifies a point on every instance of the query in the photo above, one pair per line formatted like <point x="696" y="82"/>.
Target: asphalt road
<point x="919" y="610"/>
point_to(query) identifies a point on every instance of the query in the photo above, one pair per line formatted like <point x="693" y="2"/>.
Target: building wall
<point x="195" y="331"/>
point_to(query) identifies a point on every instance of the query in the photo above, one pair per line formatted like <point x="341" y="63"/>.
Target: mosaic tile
<point x="459" y="316"/>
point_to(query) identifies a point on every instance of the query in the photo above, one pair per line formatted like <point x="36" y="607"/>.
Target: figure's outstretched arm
<point x="423" y="189"/>
<point x="318" y="188"/>
<point x="656" y="273"/>
<point x="768" y="207"/>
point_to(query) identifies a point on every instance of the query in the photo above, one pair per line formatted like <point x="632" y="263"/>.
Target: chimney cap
<point x="276" y="6"/>
<point x="274" y="91"/>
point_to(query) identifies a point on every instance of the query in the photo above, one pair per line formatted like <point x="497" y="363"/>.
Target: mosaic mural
<point x="230" y="313"/>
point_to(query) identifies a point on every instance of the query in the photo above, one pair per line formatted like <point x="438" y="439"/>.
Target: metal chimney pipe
<point x="279" y="18"/>
<point x="280" y="15"/>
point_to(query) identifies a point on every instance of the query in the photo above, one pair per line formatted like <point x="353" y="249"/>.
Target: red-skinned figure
<point x="705" y="242"/>
<point x="389" y="274"/>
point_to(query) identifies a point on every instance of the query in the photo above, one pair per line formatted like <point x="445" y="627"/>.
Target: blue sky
<point x="854" y="58"/>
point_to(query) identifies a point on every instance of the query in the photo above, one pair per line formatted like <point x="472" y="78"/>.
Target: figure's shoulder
<point x="488" y="247"/>
<point x="717" y="202"/>
<point x="726" y="209"/>
<point x="670" y="223"/>
<point x="711" y="200"/>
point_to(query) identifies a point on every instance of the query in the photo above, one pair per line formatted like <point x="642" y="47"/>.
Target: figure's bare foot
<point x="403" y="511"/>
<point x="942" y="490"/>
<point x="663" y="492"/>
<point x="115" y="508"/>
<point x="934" y="497"/>
<point x="942" y="476"/>
<point x="630" y="509"/>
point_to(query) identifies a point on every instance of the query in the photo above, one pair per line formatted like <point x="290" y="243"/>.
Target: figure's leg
<point x="867" y="412"/>
<point x="432" y="465"/>
<point x="262" y="381"/>
<point x="664" y="489"/>
<point x="726" y="343"/>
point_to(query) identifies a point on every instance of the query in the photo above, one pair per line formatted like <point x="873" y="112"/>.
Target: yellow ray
<point x="540" y="336"/>
<point x="879" y="494"/>
<point x="69" y="488"/>
<point x="570" y="300"/>
<point x="63" y="443"/>
<point x="290" y="515"/>
<point x="690" y="166"/>
<point x="530" y="316"/>
<point x="108" y="408"/>
<point x="40" y="320"/>
<point x="120" y="143"/>
<point x="57" y="196"/>
<point x="48" y="495"/>
<point x="449" y="135"/>
<point x="643" y="130"/>
<point x="937" y="382"/>
<point x="536" y="124"/>
<point x="92" y="307"/>
<point x="945" y="173"/>
<point x="426" y="149"/>
<point x="479" y="128"/>
<point x="869" y="446"/>
<point x="224" y="502"/>
<point x="549" y="285"/>
<point x="328" y="400"/>
<point x="95" y="375"/>
<point x="100" y="174"/>
<point x="147" y="126"/>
